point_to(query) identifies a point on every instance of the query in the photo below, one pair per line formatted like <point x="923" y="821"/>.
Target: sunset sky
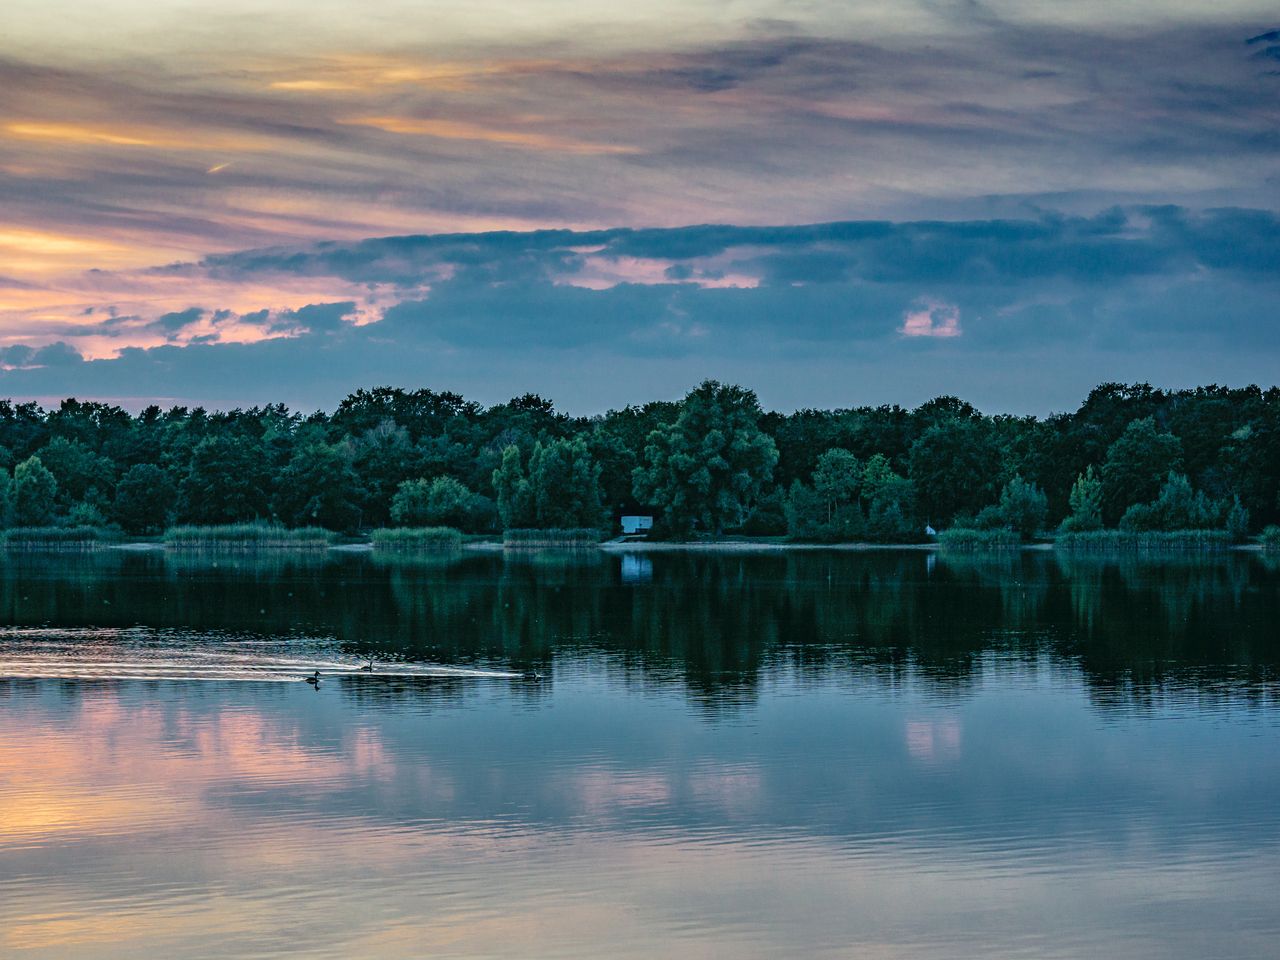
<point x="836" y="203"/>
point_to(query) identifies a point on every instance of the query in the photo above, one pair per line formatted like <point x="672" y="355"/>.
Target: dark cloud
<point x="171" y="323"/>
<point x="58" y="354"/>
<point x="318" y="317"/>
<point x="1160" y="292"/>
<point x="1115" y="244"/>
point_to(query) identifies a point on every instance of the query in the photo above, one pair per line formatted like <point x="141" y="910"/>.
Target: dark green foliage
<point x="515" y="496"/>
<point x="1178" y="507"/>
<point x="34" y="493"/>
<point x="836" y="479"/>
<point x="1086" y="504"/>
<point x="441" y="502"/>
<point x="1237" y="521"/>
<point x="806" y="513"/>
<point x="710" y="463"/>
<point x="227" y="482"/>
<point x="1136" y="465"/>
<point x="144" y="499"/>
<point x="768" y="518"/>
<point x="829" y="511"/>
<point x="562" y="489"/>
<point x="1023" y="507"/>
<point x="319" y="488"/>
<point x="1270" y="538"/>
<point x="6" y="498"/>
<point x="705" y="470"/>
<point x="955" y="467"/>
<point x="565" y="485"/>
<point x="82" y="475"/>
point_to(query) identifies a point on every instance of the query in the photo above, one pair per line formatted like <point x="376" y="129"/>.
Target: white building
<point x="631" y="525"/>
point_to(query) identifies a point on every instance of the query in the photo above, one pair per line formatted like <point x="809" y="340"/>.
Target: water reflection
<point x="755" y="756"/>
<point x="1134" y="627"/>
<point x="141" y="818"/>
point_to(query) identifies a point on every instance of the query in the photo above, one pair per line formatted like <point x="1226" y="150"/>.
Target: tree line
<point x="1132" y="456"/>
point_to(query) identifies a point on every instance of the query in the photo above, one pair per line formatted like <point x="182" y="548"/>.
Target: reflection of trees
<point x="1135" y="627"/>
<point x="1147" y="625"/>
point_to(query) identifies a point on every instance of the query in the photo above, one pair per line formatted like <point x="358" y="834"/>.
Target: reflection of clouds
<point x="934" y="741"/>
<point x="187" y="821"/>
<point x="55" y="787"/>
<point x="736" y="789"/>
<point x="602" y="790"/>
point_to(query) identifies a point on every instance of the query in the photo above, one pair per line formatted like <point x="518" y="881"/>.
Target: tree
<point x="1178" y="507"/>
<point x="34" y="493"/>
<point x="1086" y="504"/>
<point x="836" y="479"/>
<point x="955" y="467"/>
<point x="1236" y="522"/>
<point x="319" y="488"/>
<point x="226" y="482"/>
<point x="806" y="513"/>
<point x="442" y="501"/>
<point x="565" y="483"/>
<point x="1024" y="507"/>
<point x="6" y="498"/>
<point x="411" y="505"/>
<point x="515" y="497"/>
<point x="144" y="497"/>
<point x="705" y="469"/>
<point x="1136" y="466"/>
<point x="82" y="475"/>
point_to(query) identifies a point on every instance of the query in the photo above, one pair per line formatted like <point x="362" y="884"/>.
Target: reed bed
<point x="248" y="536"/>
<point x="1121" y="540"/>
<point x="1270" y="539"/>
<point x="572" y="537"/>
<point x="416" y="538"/>
<point x="59" y="538"/>
<point x="968" y="538"/>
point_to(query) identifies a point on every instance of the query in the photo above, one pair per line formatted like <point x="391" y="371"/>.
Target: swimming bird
<point x="314" y="679"/>
<point x="532" y="675"/>
<point x="368" y="667"/>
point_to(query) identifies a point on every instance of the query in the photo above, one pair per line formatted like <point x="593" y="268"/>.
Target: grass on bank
<point x="62" y="538"/>
<point x="416" y="538"/>
<point x="248" y="536"/>
<point x="969" y="538"/>
<point x="571" y="537"/>
<point x="1104" y="540"/>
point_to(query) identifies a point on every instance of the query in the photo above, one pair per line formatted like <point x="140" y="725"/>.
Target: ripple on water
<point x="143" y="653"/>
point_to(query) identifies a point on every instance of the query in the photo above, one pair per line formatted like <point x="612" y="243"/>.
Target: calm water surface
<point x="830" y="755"/>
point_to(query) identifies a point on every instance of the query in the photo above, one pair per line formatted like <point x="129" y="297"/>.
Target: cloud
<point x="948" y="112"/>
<point x="171" y="323"/>
<point x="930" y="318"/>
<point x="57" y="354"/>
<point x="599" y="317"/>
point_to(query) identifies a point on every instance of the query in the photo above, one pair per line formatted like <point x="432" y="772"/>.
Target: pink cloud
<point x="931" y="318"/>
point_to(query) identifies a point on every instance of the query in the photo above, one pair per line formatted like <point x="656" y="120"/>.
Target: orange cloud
<point x="76" y="133"/>
<point x="461" y="130"/>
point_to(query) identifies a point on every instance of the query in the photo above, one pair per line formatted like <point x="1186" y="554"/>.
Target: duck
<point x="314" y="679"/>
<point x="532" y="675"/>
<point x="368" y="667"/>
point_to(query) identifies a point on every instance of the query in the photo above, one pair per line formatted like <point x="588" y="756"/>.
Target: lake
<point x="882" y="755"/>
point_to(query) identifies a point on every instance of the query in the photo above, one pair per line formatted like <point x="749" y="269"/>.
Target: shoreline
<point x="659" y="546"/>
